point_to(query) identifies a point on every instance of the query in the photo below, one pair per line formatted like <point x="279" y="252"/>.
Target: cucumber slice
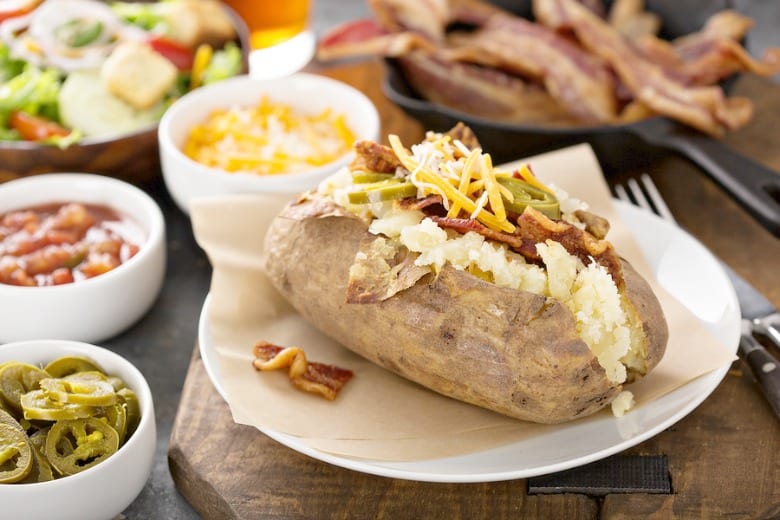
<point x="86" y="105"/>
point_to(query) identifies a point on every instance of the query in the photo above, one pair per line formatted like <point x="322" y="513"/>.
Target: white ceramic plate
<point x="685" y="268"/>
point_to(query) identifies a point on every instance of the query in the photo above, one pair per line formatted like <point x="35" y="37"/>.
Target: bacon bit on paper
<point x="315" y="378"/>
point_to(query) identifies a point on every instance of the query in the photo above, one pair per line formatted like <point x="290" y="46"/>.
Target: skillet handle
<point x="753" y="185"/>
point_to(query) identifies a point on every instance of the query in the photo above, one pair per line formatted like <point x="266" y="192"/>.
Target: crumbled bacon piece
<point x="533" y="228"/>
<point x="374" y="157"/>
<point x="465" y="135"/>
<point x="594" y="224"/>
<point x="464" y="225"/>
<point x="317" y="378"/>
<point x="420" y="204"/>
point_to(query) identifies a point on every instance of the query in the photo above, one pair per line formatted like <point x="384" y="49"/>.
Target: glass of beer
<point x="281" y="39"/>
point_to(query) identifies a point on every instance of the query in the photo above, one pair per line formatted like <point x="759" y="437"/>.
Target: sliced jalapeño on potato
<point x="382" y="191"/>
<point x="363" y="177"/>
<point x="524" y="195"/>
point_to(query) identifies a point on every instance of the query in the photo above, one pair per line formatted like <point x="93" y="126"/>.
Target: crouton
<point x="137" y="74"/>
<point x="193" y="22"/>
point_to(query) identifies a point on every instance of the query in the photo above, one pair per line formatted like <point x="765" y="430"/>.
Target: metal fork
<point x="764" y="366"/>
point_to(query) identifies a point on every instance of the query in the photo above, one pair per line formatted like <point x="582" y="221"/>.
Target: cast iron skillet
<point x="754" y="186"/>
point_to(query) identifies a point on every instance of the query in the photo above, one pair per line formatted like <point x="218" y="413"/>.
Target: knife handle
<point x="765" y="368"/>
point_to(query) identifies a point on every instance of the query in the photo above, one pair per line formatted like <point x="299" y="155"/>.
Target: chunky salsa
<point x="61" y="243"/>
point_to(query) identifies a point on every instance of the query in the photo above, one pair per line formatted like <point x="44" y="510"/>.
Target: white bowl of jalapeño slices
<point x="77" y="431"/>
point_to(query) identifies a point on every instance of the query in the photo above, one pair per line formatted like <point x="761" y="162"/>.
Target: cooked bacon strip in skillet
<point x="574" y="79"/>
<point x="312" y="377"/>
<point x="366" y="38"/>
<point x="705" y="108"/>
<point x="596" y="7"/>
<point x="426" y="17"/>
<point x="490" y="93"/>
<point x="477" y="58"/>
<point x="577" y="80"/>
<point x="631" y="20"/>
<point x="709" y="55"/>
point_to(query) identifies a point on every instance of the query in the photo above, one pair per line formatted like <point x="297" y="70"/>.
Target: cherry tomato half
<point x="34" y="128"/>
<point x="182" y="57"/>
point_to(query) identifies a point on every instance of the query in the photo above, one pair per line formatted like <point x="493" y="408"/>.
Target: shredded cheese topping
<point x="465" y="179"/>
<point x="267" y="139"/>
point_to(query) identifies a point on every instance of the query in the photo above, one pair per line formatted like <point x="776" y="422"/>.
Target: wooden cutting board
<point x="231" y="471"/>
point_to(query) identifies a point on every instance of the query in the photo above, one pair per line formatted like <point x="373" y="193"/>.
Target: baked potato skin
<point x="509" y="351"/>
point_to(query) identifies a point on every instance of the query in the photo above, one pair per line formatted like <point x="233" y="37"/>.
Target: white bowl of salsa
<point x="82" y="257"/>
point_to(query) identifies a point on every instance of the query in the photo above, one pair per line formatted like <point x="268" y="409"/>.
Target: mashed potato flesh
<point x="588" y="291"/>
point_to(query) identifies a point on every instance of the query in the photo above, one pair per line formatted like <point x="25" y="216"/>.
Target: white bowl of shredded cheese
<point x="246" y="135"/>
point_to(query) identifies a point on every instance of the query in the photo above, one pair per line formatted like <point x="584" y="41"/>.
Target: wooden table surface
<point x="723" y="457"/>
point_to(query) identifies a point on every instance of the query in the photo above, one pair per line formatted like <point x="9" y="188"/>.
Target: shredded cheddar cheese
<point x="471" y="189"/>
<point x="267" y="139"/>
<point x="528" y="176"/>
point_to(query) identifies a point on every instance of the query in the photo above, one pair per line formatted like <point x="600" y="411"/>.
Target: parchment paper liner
<point x="379" y="415"/>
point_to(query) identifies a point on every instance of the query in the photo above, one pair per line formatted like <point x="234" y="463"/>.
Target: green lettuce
<point x="33" y="91"/>
<point x="9" y="67"/>
<point x="146" y="15"/>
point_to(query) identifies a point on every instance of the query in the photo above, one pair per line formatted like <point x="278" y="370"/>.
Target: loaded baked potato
<point x="483" y="285"/>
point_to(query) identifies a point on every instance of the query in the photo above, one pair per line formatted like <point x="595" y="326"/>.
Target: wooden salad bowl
<point x="130" y="157"/>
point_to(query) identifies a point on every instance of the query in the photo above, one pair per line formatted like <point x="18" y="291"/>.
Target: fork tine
<point x="639" y="195"/>
<point x="656" y="198"/>
<point x="644" y="195"/>
<point x="622" y="194"/>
